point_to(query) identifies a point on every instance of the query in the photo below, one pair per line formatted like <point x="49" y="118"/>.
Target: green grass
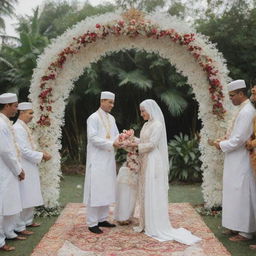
<point x="69" y="193"/>
<point x="185" y="193"/>
<point x="178" y="193"/>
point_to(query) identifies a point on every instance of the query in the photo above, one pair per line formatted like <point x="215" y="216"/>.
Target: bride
<point x="153" y="178"/>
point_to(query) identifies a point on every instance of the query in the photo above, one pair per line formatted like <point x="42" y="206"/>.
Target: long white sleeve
<point x="241" y="132"/>
<point x="25" y="147"/>
<point x="9" y="156"/>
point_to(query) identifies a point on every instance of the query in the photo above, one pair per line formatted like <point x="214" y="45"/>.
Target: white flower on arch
<point x="66" y="58"/>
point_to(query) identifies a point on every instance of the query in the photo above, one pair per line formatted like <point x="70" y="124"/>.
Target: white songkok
<point x="25" y="106"/>
<point x="107" y="96"/>
<point x="7" y="98"/>
<point x="237" y="84"/>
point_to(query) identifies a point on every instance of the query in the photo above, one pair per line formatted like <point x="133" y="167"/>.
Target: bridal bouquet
<point x="132" y="160"/>
<point x="126" y="137"/>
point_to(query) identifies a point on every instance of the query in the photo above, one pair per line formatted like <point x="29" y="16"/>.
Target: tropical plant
<point x="6" y="9"/>
<point x="234" y="33"/>
<point x="184" y="158"/>
<point x="18" y="61"/>
<point x="146" y="5"/>
<point x="57" y="17"/>
<point x="149" y="75"/>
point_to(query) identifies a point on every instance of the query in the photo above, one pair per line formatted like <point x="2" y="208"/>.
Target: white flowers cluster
<point x="49" y="137"/>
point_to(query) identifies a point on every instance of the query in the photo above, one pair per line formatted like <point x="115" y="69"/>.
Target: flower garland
<point x="131" y="28"/>
<point x="191" y="53"/>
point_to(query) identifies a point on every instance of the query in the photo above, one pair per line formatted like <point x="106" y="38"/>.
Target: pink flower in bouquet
<point x="123" y="136"/>
<point x="130" y="132"/>
<point x="126" y="135"/>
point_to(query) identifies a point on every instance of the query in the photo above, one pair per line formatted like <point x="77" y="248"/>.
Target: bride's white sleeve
<point x="136" y="139"/>
<point x="153" y="140"/>
<point x="130" y="149"/>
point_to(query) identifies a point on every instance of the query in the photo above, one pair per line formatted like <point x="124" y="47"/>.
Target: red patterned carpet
<point x="69" y="237"/>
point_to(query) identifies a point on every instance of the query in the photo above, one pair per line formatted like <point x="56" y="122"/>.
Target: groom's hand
<point x="117" y="144"/>
<point x="217" y="144"/>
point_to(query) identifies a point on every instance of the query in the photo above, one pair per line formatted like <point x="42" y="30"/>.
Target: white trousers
<point x="96" y="214"/>
<point x="25" y="218"/>
<point x="9" y="225"/>
<point x="2" y="236"/>
<point x="246" y="235"/>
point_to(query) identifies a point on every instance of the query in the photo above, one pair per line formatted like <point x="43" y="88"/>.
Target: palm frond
<point x="159" y="62"/>
<point x="111" y="68"/>
<point x="174" y="101"/>
<point x="26" y="41"/>
<point x="135" y="77"/>
<point x="7" y="7"/>
<point x="92" y="81"/>
<point x="35" y="22"/>
<point x="6" y="62"/>
<point x="2" y="23"/>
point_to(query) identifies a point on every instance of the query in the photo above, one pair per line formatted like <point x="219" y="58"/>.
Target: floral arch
<point x="66" y="58"/>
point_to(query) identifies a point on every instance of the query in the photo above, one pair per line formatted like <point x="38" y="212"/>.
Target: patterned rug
<point x="69" y="236"/>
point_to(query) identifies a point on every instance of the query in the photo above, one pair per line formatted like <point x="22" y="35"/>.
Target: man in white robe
<point x="239" y="186"/>
<point x="100" y="180"/>
<point x="30" y="188"/>
<point x="11" y="173"/>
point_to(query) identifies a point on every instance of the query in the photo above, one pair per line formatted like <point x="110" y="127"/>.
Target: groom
<point x="100" y="180"/>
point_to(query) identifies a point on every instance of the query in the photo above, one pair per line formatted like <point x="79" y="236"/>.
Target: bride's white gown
<point x="153" y="189"/>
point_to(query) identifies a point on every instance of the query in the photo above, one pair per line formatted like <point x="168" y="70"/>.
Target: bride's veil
<point x="155" y="113"/>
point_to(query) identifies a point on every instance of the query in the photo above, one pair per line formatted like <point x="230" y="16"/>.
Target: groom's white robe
<point x="239" y="185"/>
<point x="100" y="180"/>
<point x="30" y="188"/>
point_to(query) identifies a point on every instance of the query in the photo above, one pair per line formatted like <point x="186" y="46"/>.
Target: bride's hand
<point x="132" y="144"/>
<point x="248" y="145"/>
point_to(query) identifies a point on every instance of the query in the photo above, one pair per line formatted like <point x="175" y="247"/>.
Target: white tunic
<point x="100" y="180"/>
<point x="10" y="168"/>
<point x="239" y="186"/>
<point x="153" y="190"/>
<point x="30" y="188"/>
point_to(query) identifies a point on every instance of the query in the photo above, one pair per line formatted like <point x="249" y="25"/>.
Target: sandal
<point x="238" y="238"/>
<point x="17" y="238"/>
<point x="7" y="248"/>
<point x="229" y="232"/>
<point x="34" y="225"/>
<point x="124" y="222"/>
<point x="253" y="246"/>
<point x="25" y="232"/>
